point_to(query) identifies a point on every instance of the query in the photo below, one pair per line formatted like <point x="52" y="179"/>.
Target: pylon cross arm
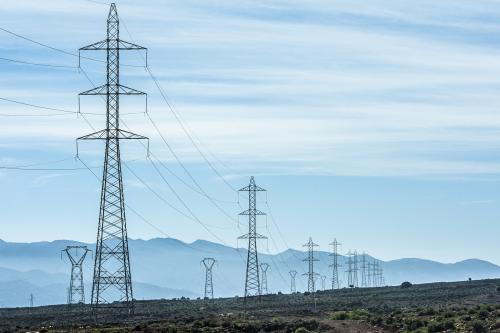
<point x="246" y="236"/>
<point x="103" y="46"/>
<point x="252" y="188"/>
<point x="102" y="90"/>
<point x="252" y="211"/>
<point x="113" y="134"/>
<point x="124" y="45"/>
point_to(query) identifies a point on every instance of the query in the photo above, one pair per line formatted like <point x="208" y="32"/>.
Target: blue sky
<point x="374" y="122"/>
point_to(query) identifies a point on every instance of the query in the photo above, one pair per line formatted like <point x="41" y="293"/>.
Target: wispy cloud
<point x="380" y="88"/>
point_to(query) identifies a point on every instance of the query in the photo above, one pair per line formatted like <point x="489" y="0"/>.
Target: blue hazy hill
<point x="167" y="268"/>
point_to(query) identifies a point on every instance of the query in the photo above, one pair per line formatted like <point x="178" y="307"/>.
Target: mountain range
<point x="169" y="268"/>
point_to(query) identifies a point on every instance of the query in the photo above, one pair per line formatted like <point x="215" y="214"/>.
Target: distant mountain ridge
<point x="167" y="268"/>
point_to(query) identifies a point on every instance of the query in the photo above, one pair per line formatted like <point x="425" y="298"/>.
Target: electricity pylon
<point x="311" y="276"/>
<point x="323" y="282"/>
<point x="355" y="270"/>
<point x="369" y="274"/>
<point x="252" y="281"/>
<point x="364" y="283"/>
<point x="349" y="271"/>
<point x="209" y="286"/>
<point x="293" y="274"/>
<point x="112" y="283"/>
<point x="76" y="292"/>
<point x="31" y="301"/>
<point x="375" y="273"/>
<point x="335" y="266"/>
<point x="264" y="267"/>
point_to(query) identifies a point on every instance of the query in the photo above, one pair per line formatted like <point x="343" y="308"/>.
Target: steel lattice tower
<point x="375" y="273"/>
<point x="323" y="282"/>
<point x="209" y="286"/>
<point x="364" y="283"/>
<point x="252" y="281"/>
<point x="311" y="276"/>
<point x="335" y="266"/>
<point x="293" y="274"/>
<point x="264" y="267"/>
<point x="369" y="274"/>
<point x="349" y="271"/>
<point x="112" y="280"/>
<point x="76" y="292"/>
<point x="355" y="270"/>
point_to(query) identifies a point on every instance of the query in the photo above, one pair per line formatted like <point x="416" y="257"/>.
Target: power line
<point x="23" y="62"/>
<point x="55" y="48"/>
<point x="203" y="192"/>
<point x="178" y="119"/>
<point x="194" y="217"/>
<point x="64" y="112"/>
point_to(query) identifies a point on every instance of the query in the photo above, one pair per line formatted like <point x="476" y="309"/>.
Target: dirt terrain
<point x="472" y="306"/>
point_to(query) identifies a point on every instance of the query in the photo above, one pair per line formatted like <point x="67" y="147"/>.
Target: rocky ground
<point x="472" y="306"/>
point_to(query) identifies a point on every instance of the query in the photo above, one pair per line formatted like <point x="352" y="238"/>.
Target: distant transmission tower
<point x="252" y="282"/>
<point x="355" y="270"/>
<point x="352" y="269"/>
<point x="209" y="286"/>
<point x="335" y="266"/>
<point x="369" y="274"/>
<point x="311" y="276"/>
<point x="375" y="274"/>
<point x="364" y="281"/>
<point x="323" y="282"/>
<point x="31" y="301"/>
<point x="264" y="267"/>
<point x="112" y="281"/>
<point x="76" y="255"/>
<point x="293" y="274"/>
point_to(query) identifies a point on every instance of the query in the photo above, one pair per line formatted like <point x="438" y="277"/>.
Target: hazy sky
<point x="376" y="122"/>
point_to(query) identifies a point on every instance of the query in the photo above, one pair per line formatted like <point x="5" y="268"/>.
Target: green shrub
<point x="302" y="330"/>
<point x="413" y="324"/>
<point x="341" y="315"/>
<point x="406" y="285"/>
<point x="440" y="326"/>
<point x="478" y="327"/>
<point x="483" y="314"/>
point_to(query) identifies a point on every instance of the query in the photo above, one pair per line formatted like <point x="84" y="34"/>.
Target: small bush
<point x="302" y="330"/>
<point x="414" y="324"/>
<point x="440" y="326"/>
<point x="483" y="314"/>
<point x="478" y="327"/>
<point x="406" y="285"/>
<point x="341" y="315"/>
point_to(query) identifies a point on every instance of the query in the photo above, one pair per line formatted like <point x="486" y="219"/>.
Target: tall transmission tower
<point x="76" y="256"/>
<point x="369" y="274"/>
<point x="293" y="274"/>
<point x="112" y="283"/>
<point x="364" y="281"/>
<point x="31" y="301"/>
<point x="349" y="271"/>
<point x="264" y="267"/>
<point x="375" y="273"/>
<point x="209" y="286"/>
<point x="355" y="270"/>
<point x="335" y="265"/>
<point x="252" y="282"/>
<point x="311" y="276"/>
<point x="323" y="282"/>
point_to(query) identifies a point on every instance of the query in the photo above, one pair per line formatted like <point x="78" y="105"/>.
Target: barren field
<point x="439" y="307"/>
